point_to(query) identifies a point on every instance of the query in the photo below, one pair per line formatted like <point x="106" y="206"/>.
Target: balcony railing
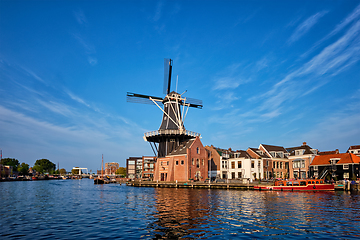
<point x="171" y="132"/>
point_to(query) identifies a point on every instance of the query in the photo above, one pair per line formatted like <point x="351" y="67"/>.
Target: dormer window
<point x="272" y="154"/>
<point x="333" y="161"/>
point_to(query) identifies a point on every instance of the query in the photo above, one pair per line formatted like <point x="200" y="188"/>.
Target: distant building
<point x="187" y="161"/>
<point x="336" y="151"/>
<point x="354" y="150"/>
<point x="336" y="166"/>
<point x="6" y="171"/>
<point x="110" y="168"/>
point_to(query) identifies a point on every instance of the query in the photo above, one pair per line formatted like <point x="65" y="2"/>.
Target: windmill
<point x="172" y="131"/>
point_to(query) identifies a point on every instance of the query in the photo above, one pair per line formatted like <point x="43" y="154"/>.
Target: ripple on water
<point x="79" y="209"/>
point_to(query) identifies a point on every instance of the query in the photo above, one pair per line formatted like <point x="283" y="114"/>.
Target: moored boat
<point x="298" y="185"/>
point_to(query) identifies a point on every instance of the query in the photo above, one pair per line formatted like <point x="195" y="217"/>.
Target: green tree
<point x="62" y="171"/>
<point x="10" y="162"/>
<point x="23" y="169"/>
<point x="44" y="165"/>
<point x="121" y="171"/>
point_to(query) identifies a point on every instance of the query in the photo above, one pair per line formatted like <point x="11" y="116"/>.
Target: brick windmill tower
<point x="172" y="131"/>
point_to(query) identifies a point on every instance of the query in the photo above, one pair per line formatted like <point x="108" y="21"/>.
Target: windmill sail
<point x="172" y="131"/>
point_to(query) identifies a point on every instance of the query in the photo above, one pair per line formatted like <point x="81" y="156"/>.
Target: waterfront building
<point x="242" y="165"/>
<point x="354" y="149"/>
<point x="337" y="166"/>
<point x="218" y="166"/>
<point x="300" y="159"/>
<point x="214" y="162"/>
<point x="260" y="155"/>
<point x="110" y="168"/>
<point x="134" y="167"/>
<point x="223" y="156"/>
<point x="187" y="161"/>
<point x="148" y="167"/>
<point x="276" y="162"/>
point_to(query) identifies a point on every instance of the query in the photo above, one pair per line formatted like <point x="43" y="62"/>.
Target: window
<point x="192" y="161"/>
<point x="167" y="163"/>
<point x="202" y="162"/>
<point x="259" y="164"/>
<point x="277" y="165"/>
<point x="198" y="150"/>
<point x="197" y="163"/>
<point x="233" y="165"/>
<point x="239" y="175"/>
<point x="281" y="165"/>
<point x="239" y="164"/>
<point x="315" y="168"/>
<point x="182" y="162"/>
<point x="272" y="154"/>
<point x="346" y="166"/>
<point x="274" y="165"/>
<point x="252" y="164"/>
<point x="302" y="183"/>
<point x="177" y="162"/>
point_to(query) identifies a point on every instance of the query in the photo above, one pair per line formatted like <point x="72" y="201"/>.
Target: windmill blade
<point x="195" y="103"/>
<point x="167" y="75"/>
<point x="140" y="98"/>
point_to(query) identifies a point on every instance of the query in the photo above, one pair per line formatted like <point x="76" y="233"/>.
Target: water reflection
<point x="196" y="213"/>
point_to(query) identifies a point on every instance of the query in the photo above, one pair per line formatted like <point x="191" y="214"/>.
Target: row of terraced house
<point x="191" y="160"/>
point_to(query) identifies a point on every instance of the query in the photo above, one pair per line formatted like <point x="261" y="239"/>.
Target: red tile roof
<point x="345" y="158"/>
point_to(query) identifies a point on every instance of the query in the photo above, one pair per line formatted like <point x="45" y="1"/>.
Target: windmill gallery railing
<point x="171" y="132"/>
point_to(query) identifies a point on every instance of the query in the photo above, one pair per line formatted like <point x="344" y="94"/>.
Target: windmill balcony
<point x="171" y="132"/>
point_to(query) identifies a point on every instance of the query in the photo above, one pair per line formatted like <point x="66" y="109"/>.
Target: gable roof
<point x="345" y="158"/>
<point x="256" y="151"/>
<point x="272" y="148"/>
<point x="242" y="154"/>
<point x="354" y="147"/>
<point x="305" y="147"/>
<point x="182" y="148"/>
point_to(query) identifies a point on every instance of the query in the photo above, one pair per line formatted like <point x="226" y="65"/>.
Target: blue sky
<point x="271" y="72"/>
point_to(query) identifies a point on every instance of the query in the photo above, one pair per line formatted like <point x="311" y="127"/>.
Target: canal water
<point x="78" y="209"/>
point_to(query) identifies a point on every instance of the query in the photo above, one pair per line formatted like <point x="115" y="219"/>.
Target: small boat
<point x="100" y="179"/>
<point x="298" y="185"/>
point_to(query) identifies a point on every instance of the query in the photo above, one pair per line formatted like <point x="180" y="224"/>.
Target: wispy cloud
<point x="305" y="26"/>
<point x="354" y="15"/>
<point x="80" y="17"/>
<point x="76" y="98"/>
<point x="158" y="11"/>
<point x="330" y="61"/>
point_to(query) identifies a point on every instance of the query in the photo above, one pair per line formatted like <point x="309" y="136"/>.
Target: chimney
<point x="304" y="143"/>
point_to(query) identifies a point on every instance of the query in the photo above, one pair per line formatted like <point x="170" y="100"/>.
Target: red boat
<point x="298" y="185"/>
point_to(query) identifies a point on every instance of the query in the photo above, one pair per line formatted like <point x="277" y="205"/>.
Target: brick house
<point x="214" y="162"/>
<point x="300" y="159"/>
<point x="187" y="161"/>
<point x="110" y="168"/>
